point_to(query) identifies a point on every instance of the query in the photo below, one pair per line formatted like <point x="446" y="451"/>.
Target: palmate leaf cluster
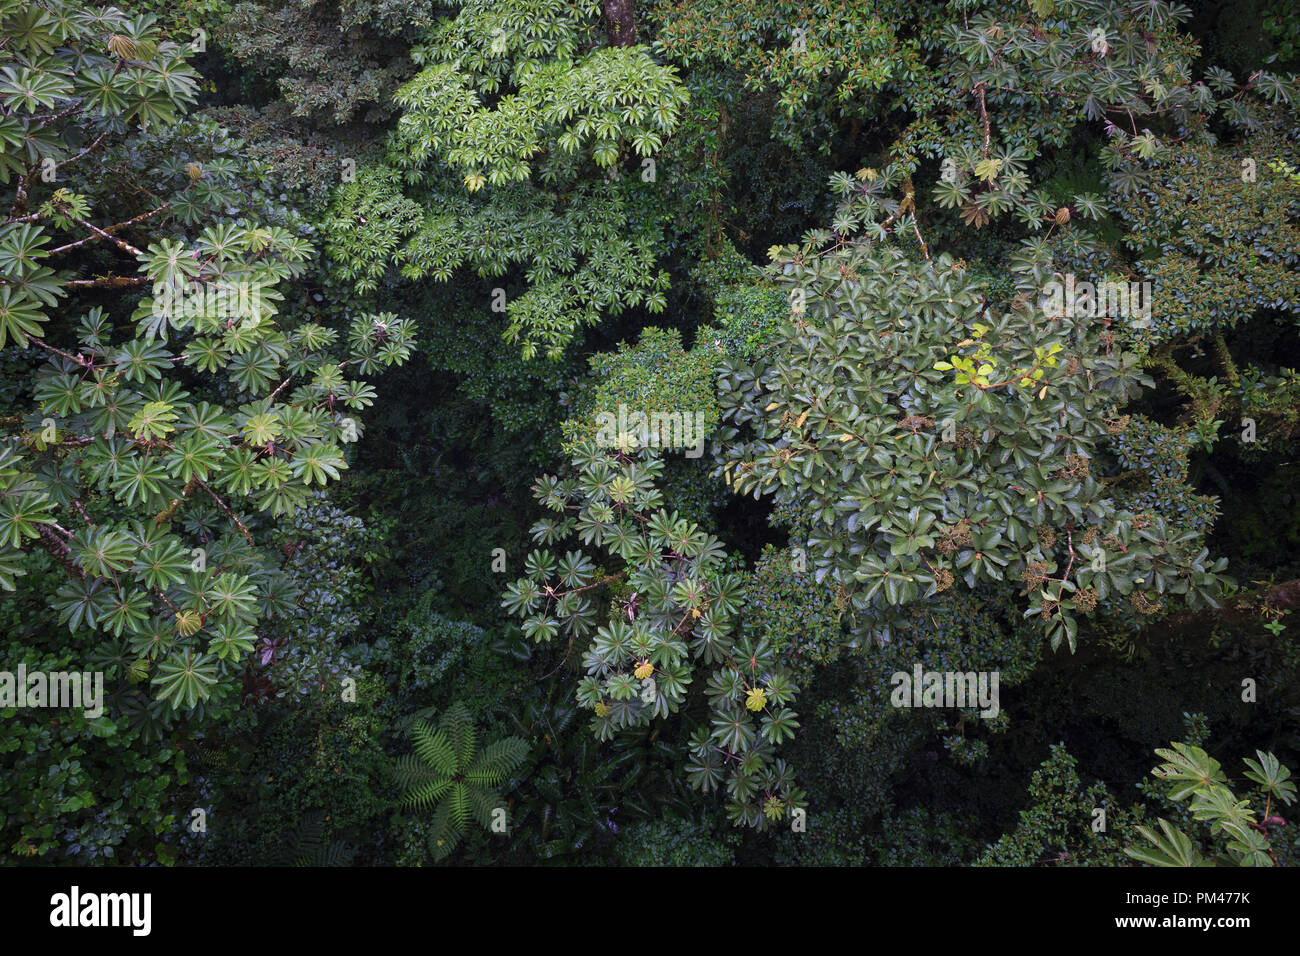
<point x="1123" y="64"/>
<point x="817" y="65"/>
<point x="582" y="262"/>
<point x="129" y="438"/>
<point x="1240" y="832"/>
<point x="147" y="450"/>
<point x="506" y="157"/>
<point x="672" y="609"/>
<point x="69" y="77"/>
<point x="117" y="67"/>
<point x="1079" y="60"/>
<point x="450" y="773"/>
<point x="547" y="95"/>
<point x="1043" y="69"/>
<point x="915" y="474"/>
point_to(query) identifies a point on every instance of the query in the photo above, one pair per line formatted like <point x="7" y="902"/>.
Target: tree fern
<point x="307" y="847"/>
<point x="449" y="773"/>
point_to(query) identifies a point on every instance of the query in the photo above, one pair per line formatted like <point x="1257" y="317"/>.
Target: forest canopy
<point x="661" y="433"/>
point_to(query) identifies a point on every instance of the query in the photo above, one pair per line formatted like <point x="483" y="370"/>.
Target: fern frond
<point x="209" y="756"/>
<point x="443" y="835"/>
<point x="450" y="774"/>
<point x="410" y="771"/>
<point x="428" y="794"/>
<point x="482" y="803"/>
<point x="306" y="846"/>
<point x="303" y="844"/>
<point x="337" y="853"/>
<point x="435" y="748"/>
<point x="458" y="723"/>
<point x="563" y="718"/>
<point x="497" y="761"/>
<point x="458" y="805"/>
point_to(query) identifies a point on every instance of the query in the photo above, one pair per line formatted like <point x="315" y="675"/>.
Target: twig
<point x="120" y="243"/>
<point x="248" y="536"/>
<point x="108" y="230"/>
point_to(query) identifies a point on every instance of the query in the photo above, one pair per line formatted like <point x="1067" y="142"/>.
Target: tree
<point x="1062" y="825"/>
<point x="671" y="605"/>
<point x="929" y="438"/>
<point x="450" y="771"/>
<point x="496" y="164"/>
<point x="140" y="450"/>
<point x="337" y="63"/>
<point x="1232" y="293"/>
<point x="655" y="377"/>
<point x="1241" y="835"/>
<point x="820" y="67"/>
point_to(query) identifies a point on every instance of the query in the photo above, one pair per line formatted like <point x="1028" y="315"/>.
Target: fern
<point x="307" y="847"/>
<point x="449" y="773"/>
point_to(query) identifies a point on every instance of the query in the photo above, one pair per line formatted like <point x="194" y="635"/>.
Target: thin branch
<point x="108" y="282"/>
<point x="225" y="507"/>
<point x="248" y="536"/>
<point x="984" y="116"/>
<point x="59" y="551"/>
<point x="108" y="230"/>
<point x="75" y="359"/>
<point x="94" y="144"/>
<point x="120" y="243"/>
<point x="925" y="251"/>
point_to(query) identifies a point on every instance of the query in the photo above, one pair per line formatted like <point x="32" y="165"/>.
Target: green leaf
<point x="184" y="678"/>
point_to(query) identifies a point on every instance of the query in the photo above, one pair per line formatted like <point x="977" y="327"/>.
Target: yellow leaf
<point x="988" y="169"/>
<point x="188" y="623"/>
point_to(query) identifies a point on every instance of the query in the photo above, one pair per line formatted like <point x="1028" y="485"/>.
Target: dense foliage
<point x="666" y="434"/>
